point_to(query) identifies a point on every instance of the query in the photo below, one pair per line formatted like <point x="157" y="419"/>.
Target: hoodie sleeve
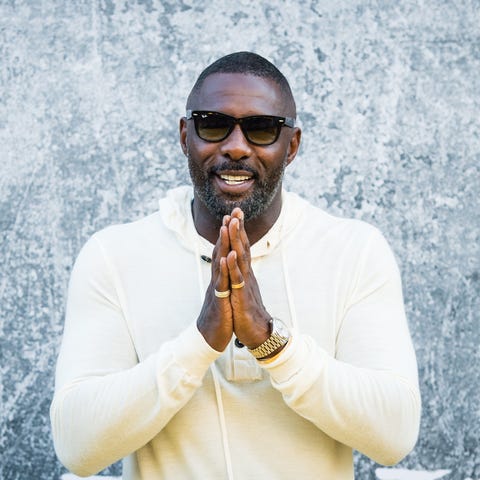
<point x="367" y="396"/>
<point x="106" y="404"/>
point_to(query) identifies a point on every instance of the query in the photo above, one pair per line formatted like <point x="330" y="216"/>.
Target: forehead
<point x="239" y="94"/>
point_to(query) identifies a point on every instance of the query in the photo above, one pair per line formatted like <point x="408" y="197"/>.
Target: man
<point x="239" y="332"/>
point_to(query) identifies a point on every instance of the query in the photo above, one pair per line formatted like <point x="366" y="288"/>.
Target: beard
<point x="219" y="205"/>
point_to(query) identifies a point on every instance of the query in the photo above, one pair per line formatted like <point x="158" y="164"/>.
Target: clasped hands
<point x="242" y="312"/>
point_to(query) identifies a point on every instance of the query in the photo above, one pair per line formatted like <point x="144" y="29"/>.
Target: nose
<point x="236" y="146"/>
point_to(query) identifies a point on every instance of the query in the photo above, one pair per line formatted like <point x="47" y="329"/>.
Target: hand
<point x="243" y="311"/>
<point x="250" y="318"/>
<point x="215" y="321"/>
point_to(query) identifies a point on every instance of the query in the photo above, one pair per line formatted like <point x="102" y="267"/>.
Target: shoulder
<point x="119" y="241"/>
<point x="124" y="236"/>
<point x="171" y="216"/>
<point x="302" y="215"/>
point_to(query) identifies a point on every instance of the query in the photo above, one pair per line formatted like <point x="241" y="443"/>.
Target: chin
<point x="252" y="205"/>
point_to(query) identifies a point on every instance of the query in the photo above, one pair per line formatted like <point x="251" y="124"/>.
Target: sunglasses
<point x="258" y="129"/>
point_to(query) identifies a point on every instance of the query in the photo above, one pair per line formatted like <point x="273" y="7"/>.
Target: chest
<point x="165" y="294"/>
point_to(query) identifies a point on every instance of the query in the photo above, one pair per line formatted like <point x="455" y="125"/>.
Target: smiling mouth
<point x="235" y="179"/>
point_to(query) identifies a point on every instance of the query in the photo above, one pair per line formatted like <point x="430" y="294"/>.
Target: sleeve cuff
<point x="192" y="352"/>
<point x="272" y="359"/>
<point x="291" y="360"/>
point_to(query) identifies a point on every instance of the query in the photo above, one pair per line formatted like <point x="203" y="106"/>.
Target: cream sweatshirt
<point x="136" y="380"/>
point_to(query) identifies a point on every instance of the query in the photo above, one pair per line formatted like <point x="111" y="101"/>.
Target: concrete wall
<point x="388" y="95"/>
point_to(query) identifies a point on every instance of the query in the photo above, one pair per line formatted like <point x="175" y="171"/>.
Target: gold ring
<point x="224" y="294"/>
<point x="238" y="285"/>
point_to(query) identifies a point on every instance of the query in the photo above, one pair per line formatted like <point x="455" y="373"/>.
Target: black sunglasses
<point x="258" y="129"/>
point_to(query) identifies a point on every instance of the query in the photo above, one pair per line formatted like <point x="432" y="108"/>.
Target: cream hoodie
<point x="136" y="380"/>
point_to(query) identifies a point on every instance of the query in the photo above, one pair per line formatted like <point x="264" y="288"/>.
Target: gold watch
<point x="279" y="336"/>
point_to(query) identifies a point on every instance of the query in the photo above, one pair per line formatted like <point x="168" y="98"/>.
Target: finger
<point x="222" y="283"/>
<point x="234" y="272"/>
<point x="222" y="247"/>
<point x="236" y="243"/>
<point x="238" y="213"/>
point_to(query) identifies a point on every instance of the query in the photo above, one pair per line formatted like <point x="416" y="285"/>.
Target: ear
<point x="294" y="145"/>
<point x="183" y="135"/>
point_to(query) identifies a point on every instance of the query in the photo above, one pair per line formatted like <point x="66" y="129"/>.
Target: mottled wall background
<point x="388" y="95"/>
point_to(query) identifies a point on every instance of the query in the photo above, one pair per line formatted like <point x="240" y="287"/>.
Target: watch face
<point x="279" y="337"/>
<point x="281" y="328"/>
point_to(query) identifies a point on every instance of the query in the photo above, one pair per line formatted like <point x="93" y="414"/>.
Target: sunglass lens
<point x="212" y="128"/>
<point x="261" y="130"/>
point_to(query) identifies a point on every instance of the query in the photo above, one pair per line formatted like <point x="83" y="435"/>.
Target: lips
<point x="234" y="182"/>
<point x="234" y="179"/>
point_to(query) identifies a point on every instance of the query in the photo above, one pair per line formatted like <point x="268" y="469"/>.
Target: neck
<point x="208" y="226"/>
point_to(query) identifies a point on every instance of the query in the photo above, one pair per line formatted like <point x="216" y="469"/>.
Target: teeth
<point x="234" y="179"/>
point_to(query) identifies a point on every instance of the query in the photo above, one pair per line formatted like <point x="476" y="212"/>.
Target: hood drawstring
<point x="286" y="278"/>
<point x="291" y="306"/>
<point x="223" y="426"/>
<point x="216" y="383"/>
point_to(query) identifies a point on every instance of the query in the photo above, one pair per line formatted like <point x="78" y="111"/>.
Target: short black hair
<point x="248" y="63"/>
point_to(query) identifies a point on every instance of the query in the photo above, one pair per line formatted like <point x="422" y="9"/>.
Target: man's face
<point x="233" y="172"/>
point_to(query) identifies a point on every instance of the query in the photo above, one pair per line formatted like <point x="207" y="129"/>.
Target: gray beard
<point x="253" y="206"/>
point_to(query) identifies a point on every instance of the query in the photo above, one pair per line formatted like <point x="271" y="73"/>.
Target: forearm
<point x="96" y="420"/>
<point x="373" y="411"/>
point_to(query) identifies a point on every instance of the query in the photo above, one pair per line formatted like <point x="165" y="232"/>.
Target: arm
<point x="366" y="397"/>
<point x="106" y="404"/>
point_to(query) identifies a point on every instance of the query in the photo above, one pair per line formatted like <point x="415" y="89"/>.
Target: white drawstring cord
<point x="213" y="368"/>
<point x="223" y="426"/>
<point x="216" y="383"/>
<point x="291" y="304"/>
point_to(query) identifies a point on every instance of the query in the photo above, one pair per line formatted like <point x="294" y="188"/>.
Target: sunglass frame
<point x="196" y="115"/>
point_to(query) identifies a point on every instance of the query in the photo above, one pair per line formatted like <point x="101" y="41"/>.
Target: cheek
<point x="201" y="151"/>
<point x="199" y="160"/>
<point x="274" y="159"/>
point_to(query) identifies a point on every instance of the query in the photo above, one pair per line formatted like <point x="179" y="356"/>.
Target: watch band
<point x="278" y="338"/>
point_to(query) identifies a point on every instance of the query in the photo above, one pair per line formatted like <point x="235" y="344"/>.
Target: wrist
<point x="274" y="355"/>
<point x="277" y="339"/>
<point x="263" y="330"/>
<point x="213" y="336"/>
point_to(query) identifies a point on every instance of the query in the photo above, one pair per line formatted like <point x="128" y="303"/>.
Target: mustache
<point x="233" y="166"/>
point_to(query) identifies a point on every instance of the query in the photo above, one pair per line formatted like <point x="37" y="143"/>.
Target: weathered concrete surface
<point x="388" y="95"/>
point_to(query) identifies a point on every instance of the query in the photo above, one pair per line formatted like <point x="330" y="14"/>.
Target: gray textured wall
<point x="388" y="95"/>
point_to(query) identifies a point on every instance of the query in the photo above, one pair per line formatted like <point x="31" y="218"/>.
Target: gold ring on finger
<point x="224" y="294"/>
<point x="238" y="285"/>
